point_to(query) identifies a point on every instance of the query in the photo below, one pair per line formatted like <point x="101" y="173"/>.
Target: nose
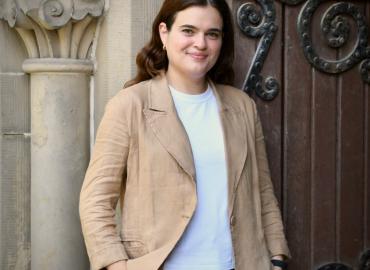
<point x="200" y="41"/>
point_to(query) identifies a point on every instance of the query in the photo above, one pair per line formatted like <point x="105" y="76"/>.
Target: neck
<point x="187" y="85"/>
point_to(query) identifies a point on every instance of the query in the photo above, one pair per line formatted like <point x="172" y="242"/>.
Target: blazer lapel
<point x="235" y="140"/>
<point x="163" y="119"/>
<point x="166" y="125"/>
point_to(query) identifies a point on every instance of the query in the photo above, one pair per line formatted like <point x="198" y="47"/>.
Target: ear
<point x="163" y="32"/>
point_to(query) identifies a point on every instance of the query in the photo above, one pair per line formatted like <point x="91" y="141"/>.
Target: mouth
<point x="198" y="56"/>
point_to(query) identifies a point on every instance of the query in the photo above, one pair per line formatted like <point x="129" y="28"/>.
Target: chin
<point x="197" y="76"/>
<point x="198" y="72"/>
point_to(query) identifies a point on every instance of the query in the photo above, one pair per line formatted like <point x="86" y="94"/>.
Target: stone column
<point x="59" y="156"/>
<point x="57" y="35"/>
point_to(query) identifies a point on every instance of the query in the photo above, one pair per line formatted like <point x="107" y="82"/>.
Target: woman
<point x="184" y="152"/>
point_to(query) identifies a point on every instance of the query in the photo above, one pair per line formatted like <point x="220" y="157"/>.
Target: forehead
<point x="199" y="16"/>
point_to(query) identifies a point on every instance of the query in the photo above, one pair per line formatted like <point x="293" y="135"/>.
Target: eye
<point x="188" y="31"/>
<point x="214" y="35"/>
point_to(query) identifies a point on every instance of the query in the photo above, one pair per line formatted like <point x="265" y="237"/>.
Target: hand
<point x="279" y="258"/>
<point x="120" y="265"/>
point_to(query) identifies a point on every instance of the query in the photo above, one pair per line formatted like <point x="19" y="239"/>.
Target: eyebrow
<point x="193" y="27"/>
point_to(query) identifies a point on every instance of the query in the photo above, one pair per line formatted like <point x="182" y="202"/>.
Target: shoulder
<point x="130" y="97"/>
<point x="135" y="92"/>
<point x="128" y="103"/>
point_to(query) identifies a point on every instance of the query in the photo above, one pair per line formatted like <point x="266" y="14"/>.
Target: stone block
<point x="14" y="103"/>
<point x="15" y="203"/>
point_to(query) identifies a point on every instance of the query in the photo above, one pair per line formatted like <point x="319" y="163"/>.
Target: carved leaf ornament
<point x="54" y="28"/>
<point x="259" y="22"/>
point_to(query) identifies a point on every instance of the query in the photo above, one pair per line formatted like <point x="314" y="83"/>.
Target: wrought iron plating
<point x="292" y="2"/>
<point x="257" y="24"/>
<point x="336" y="28"/>
<point x="365" y="260"/>
<point x="335" y="266"/>
<point x="364" y="264"/>
<point x="260" y="23"/>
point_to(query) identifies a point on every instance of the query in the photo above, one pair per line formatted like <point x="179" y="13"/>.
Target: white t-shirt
<point x="206" y="243"/>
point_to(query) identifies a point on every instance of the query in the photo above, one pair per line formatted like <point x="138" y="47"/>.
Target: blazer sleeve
<point x="101" y="188"/>
<point x="271" y="216"/>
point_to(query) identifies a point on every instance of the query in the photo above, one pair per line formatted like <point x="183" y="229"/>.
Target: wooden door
<point x="315" y="57"/>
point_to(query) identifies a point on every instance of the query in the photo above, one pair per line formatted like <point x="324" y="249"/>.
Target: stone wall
<point x="14" y="153"/>
<point x="125" y="28"/>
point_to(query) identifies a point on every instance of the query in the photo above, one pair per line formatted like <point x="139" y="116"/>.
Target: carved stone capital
<point x="54" y="28"/>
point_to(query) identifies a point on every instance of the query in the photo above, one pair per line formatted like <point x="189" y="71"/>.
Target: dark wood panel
<point x="351" y="158"/>
<point x="297" y="141"/>
<point x="271" y="112"/>
<point x="322" y="122"/>
<point x="317" y="129"/>
<point x="245" y="48"/>
<point x="367" y="155"/>
<point x="367" y="172"/>
<point x="367" y="158"/>
<point x="323" y="145"/>
<point x="351" y="171"/>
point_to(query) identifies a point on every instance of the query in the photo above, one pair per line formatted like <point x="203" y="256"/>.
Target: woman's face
<point x="194" y="42"/>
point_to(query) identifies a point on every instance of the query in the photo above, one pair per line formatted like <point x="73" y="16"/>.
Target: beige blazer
<point x="143" y="156"/>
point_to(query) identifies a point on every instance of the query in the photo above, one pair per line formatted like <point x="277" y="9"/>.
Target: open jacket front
<point x="143" y="156"/>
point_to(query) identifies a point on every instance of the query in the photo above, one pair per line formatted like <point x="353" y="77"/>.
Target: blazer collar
<point x="234" y="129"/>
<point x="160" y="98"/>
<point x="166" y="125"/>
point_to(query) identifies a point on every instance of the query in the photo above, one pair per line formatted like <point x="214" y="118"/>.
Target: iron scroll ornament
<point x="256" y="24"/>
<point x="336" y="29"/>
<point x="364" y="264"/>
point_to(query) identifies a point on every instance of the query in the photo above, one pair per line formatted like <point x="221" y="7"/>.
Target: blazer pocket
<point x="134" y="248"/>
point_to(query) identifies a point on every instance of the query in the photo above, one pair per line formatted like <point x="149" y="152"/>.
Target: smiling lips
<point x="198" y="56"/>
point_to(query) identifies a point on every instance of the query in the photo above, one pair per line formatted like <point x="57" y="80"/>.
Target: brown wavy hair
<point x="152" y="59"/>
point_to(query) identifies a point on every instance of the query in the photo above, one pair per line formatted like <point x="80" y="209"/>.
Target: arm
<point x="120" y="265"/>
<point x="101" y="189"/>
<point x="271" y="217"/>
